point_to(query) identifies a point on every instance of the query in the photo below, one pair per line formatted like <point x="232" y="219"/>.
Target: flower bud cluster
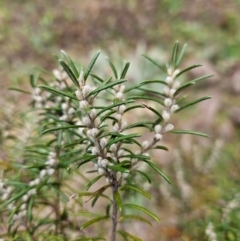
<point x="68" y="111"/>
<point x="61" y="77"/>
<point x="212" y="236"/>
<point x="5" y="191"/>
<point x="39" y="99"/>
<point x="234" y="203"/>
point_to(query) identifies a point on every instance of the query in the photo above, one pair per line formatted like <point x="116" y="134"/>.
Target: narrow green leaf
<point x="88" y="223"/>
<point x="189" y="132"/>
<point x="153" y="110"/>
<point x="85" y="214"/>
<point x="29" y="208"/>
<point x="145" y="82"/>
<point x="65" y="127"/>
<point x="118" y="200"/>
<point x="89" y="239"/>
<point x="71" y="63"/>
<point x="34" y="79"/>
<point x="161" y="148"/>
<point x="188" y="68"/>
<point x="122" y="138"/>
<point x="131" y="216"/>
<point x="193" y="103"/>
<point x="124" y="71"/>
<point x="107" y="86"/>
<point x="93" y="181"/>
<point x="58" y="191"/>
<point x="19" y="90"/>
<point x="147" y="195"/>
<point x="192" y="82"/>
<point x="69" y="72"/>
<point x="145" y="175"/>
<point x="174" y="55"/>
<point x="140" y="124"/>
<point x="118" y="168"/>
<point x="158" y="170"/>
<point x="57" y="92"/>
<point x="144" y="97"/>
<point x="113" y="68"/>
<point x="181" y="55"/>
<point x="91" y="64"/>
<point x="130" y="205"/>
<point x="153" y="92"/>
<point x="128" y="235"/>
<point x="97" y="78"/>
<point x="99" y="192"/>
<point x="154" y="62"/>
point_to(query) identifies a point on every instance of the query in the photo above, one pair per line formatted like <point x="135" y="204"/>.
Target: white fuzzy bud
<point x="175" y="73"/>
<point x="25" y="198"/>
<point x="86" y="90"/>
<point x="169" y="127"/>
<point x="145" y="144"/>
<point x="165" y="115"/>
<point x="166" y="90"/>
<point x="170" y="71"/>
<point x="101" y="171"/>
<point x="123" y="125"/>
<point x="83" y="104"/>
<point x="103" y="142"/>
<point x="158" y="137"/>
<point x="97" y="122"/>
<point x="107" y="180"/>
<point x="113" y="147"/>
<point x="121" y="109"/>
<point x="43" y="173"/>
<point x="32" y="183"/>
<point x="23" y="206"/>
<point x="71" y="111"/>
<point x="104" y="163"/>
<point x="122" y="88"/>
<point x="176" y="84"/>
<point x="63" y="118"/>
<point x="174" y="108"/>
<point x="167" y="102"/>
<point x="37" y="91"/>
<point x="116" y="128"/>
<point x="50" y="171"/>
<point x="157" y="129"/>
<point x="118" y="117"/>
<point x="171" y="92"/>
<point x="5" y="196"/>
<point x="81" y="79"/>
<point x="120" y="153"/>
<point x="78" y="93"/>
<point x="125" y="175"/>
<point x="86" y="121"/>
<point x="93" y="113"/>
<point x="37" y="181"/>
<point x="119" y="96"/>
<point x="169" y="80"/>
<point x="95" y="150"/>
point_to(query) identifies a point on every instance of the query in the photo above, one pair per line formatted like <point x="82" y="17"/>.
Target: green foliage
<point x="83" y="133"/>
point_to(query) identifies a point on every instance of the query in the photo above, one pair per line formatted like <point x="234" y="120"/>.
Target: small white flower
<point x="170" y="71"/>
<point x="52" y="154"/>
<point x="157" y="129"/>
<point x="107" y="180"/>
<point x="37" y="91"/>
<point x="145" y="144"/>
<point x="5" y="196"/>
<point x="63" y="117"/>
<point x="71" y="111"/>
<point x="32" y="183"/>
<point x="116" y="128"/>
<point x="31" y="192"/>
<point x="122" y="88"/>
<point x="167" y="102"/>
<point x="97" y="122"/>
<point x="165" y="115"/>
<point x="169" y="127"/>
<point x="118" y="117"/>
<point x="125" y="175"/>
<point x="23" y="206"/>
<point x="166" y="90"/>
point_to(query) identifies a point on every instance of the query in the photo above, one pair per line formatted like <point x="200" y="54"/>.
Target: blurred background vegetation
<point x="32" y="32"/>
